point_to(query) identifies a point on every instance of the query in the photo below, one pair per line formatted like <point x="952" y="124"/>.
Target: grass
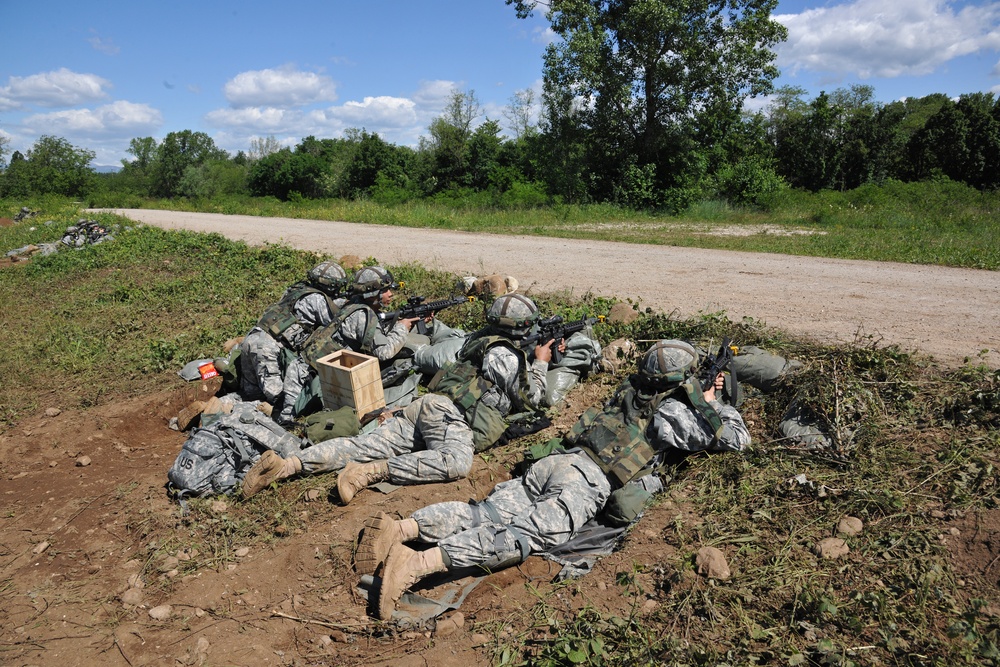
<point x="916" y="455"/>
<point x="939" y="222"/>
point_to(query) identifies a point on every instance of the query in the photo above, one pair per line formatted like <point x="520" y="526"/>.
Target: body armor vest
<point x="463" y="383"/>
<point x="327" y="340"/>
<point x="616" y="436"/>
<point x="279" y="319"/>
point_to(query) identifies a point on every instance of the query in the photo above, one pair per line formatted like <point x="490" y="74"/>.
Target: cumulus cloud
<point x="434" y="94"/>
<point x="284" y="87"/>
<point x="380" y="112"/>
<point x="262" y="120"/>
<point x="887" y="38"/>
<point x="118" y="118"/>
<point x="61" y="88"/>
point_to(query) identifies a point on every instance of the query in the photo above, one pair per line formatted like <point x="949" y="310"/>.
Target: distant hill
<point x="107" y="169"/>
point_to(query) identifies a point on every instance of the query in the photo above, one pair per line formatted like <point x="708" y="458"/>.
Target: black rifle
<point x="415" y="307"/>
<point x="555" y="329"/>
<point x="713" y="364"/>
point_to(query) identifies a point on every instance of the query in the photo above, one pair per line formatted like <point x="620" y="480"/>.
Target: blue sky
<point x="100" y="72"/>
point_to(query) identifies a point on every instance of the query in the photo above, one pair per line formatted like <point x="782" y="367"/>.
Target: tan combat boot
<point x="269" y="468"/>
<point x="357" y="476"/>
<point x="403" y="568"/>
<point x="381" y="532"/>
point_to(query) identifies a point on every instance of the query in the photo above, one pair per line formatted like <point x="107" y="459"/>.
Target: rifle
<point x="713" y="364"/>
<point x="554" y="328"/>
<point x="415" y="307"/>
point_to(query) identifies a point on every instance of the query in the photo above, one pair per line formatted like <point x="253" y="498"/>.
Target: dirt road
<point x="946" y="312"/>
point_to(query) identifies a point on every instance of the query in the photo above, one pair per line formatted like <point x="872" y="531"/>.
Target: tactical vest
<point x="327" y="340"/>
<point x="279" y="319"/>
<point x="463" y="383"/>
<point x="616" y="437"/>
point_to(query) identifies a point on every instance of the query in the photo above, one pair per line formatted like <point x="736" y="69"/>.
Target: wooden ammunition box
<point x="350" y="378"/>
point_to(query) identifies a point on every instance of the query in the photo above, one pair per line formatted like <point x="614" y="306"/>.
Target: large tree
<point x="177" y="152"/>
<point x="652" y="74"/>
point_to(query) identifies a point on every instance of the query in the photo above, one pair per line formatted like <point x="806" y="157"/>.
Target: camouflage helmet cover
<point x="327" y="274"/>
<point x="668" y="362"/>
<point x="512" y="313"/>
<point x="372" y="281"/>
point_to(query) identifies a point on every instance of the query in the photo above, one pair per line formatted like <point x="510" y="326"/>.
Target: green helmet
<point x="668" y="363"/>
<point x="328" y="274"/>
<point x="372" y="281"/>
<point x="513" y="314"/>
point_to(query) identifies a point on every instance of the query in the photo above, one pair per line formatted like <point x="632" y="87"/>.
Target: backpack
<point x="215" y="457"/>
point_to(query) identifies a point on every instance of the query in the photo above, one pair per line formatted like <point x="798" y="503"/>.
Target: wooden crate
<point x="351" y="378"/>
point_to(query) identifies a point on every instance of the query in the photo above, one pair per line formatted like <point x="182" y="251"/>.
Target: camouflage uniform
<point x="558" y="494"/>
<point x="430" y="441"/>
<point x="260" y="354"/>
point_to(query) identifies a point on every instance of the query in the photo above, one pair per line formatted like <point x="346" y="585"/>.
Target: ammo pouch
<point x="626" y="504"/>
<point x="328" y="424"/>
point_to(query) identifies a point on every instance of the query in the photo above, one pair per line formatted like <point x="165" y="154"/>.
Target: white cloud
<point x="103" y="45"/>
<point x="379" y="112"/>
<point x="118" y="118"/>
<point x="284" y="87"/>
<point x="434" y="94"/>
<point x="544" y="35"/>
<point x="61" y="88"/>
<point x="260" y="120"/>
<point x="887" y="38"/>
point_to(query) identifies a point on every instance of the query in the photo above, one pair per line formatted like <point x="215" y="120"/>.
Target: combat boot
<point x="269" y="468"/>
<point x="357" y="476"/>
<point x="381" y="532"/>
<point x="403" y="568"/>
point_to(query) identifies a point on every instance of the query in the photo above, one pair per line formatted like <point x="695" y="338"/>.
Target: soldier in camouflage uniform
<point x="434" y="438"/>
<point x="660" y="408"/>
<point x="285" y="325"/>
<point x="356" y="327"/>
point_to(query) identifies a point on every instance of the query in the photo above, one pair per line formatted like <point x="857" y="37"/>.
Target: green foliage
<point x="750" y="182"/>
<point x="52" y="166"/>
<point x="178" y="152"/>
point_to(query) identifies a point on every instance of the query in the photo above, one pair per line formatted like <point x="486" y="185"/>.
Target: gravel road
<point x="946" y="312"/>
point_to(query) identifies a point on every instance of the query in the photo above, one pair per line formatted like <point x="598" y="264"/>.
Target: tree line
<point x="643" y="104"/>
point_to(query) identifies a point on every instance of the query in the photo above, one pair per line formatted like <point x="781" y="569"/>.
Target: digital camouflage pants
<point x="525" y="515"/>
<point x="428" y="441"/>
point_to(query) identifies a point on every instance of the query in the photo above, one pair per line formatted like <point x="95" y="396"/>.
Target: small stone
<point x="649" y="606"/>
<point x="831" y="548"/>
<point x="955" y="532"/>
<point x="850" y="526"/>
<point x="53" y="464"/>
<point x="313" y="495"/>
<point x="172" y="574"/>
<point x="325" y="640"/>
<point x="480" y="638"/>
<point x="450" y="625"/>
<point x="199" y="612"/>
<point x="339" y="636"/>
<point x="161" y="613"/>
<point x="242" y="552"/>
<point x="40" y="547"/>
<point x="132" y="597"/>
<point x="711" y="563"/>
<point x="169" y="563"/>
<point x="135" y="581"/>
<point x="938" y="514"/>
<point x="601" y="586"/>
<point x="83" y="461"/>
<point x="53" y="412"/>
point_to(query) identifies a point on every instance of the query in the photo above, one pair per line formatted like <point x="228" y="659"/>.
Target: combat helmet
<point x="328" y="275"/>
<point x="513" y="314"/>
<point x="372" y="281"/>
<point x="667" y="364"/>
